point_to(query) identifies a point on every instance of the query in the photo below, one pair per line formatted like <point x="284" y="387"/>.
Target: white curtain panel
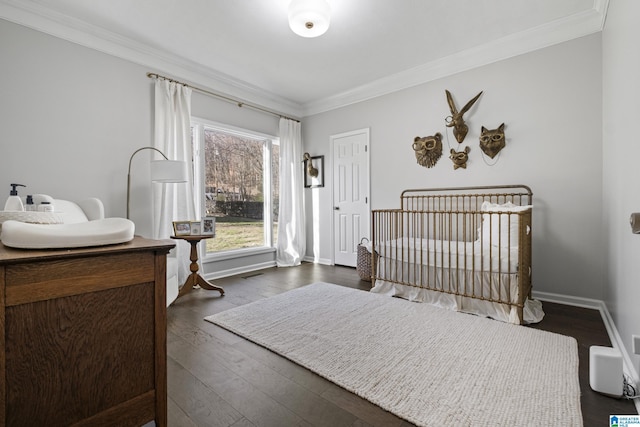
<point x="291" y="245"/>
<point x="173" y="202"/>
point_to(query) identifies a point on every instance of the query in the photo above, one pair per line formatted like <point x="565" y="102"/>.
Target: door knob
<point x="336" y="208"/>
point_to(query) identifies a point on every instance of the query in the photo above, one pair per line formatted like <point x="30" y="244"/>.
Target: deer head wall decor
<point x="428" y="149"/>
<point x="311" y="170"/>
<point x="455" y="120"/>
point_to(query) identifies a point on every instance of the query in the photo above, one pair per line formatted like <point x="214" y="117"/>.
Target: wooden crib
<point x="466" y="249"/>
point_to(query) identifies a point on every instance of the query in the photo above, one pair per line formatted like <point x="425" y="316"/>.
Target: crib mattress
<point x="475" y="256"/>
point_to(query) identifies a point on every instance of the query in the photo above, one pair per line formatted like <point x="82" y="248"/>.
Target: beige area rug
<point x="430" y="366"/>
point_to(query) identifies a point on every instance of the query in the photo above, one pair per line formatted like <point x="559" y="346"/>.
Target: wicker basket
<point x="364" y="262"/>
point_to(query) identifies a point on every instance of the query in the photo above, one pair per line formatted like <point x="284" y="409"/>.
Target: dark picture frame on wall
<point x="314" y="166"/>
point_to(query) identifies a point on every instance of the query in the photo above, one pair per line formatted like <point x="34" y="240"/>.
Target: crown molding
<point x="561" y="30"/>
<point x="45" y="20"/>
<point x="50" y="22"/>
<point x="601" y="7"/>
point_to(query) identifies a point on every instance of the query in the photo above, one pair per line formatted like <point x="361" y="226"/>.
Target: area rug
<point x="427" y="365"/>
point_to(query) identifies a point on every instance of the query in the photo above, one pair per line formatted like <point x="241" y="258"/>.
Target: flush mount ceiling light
<point x="309" y="18"/>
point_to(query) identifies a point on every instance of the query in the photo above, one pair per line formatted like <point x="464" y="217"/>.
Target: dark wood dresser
<point x="83" y="335"/>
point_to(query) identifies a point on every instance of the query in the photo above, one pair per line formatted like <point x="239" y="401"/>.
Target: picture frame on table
<point x="196" y="228"/>
<point x="182" y="228"/>
<point x="208" y="226"/>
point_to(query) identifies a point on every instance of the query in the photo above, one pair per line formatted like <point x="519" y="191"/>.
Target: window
<point x="237" y="173"/>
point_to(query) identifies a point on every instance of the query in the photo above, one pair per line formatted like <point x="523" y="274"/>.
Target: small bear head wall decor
<point x="459" y="158"/>
<point x="492" y="140"/>
<point x="428" y="149"/>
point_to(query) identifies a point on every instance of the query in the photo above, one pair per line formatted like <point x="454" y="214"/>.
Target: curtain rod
<point x="223" y="97"/>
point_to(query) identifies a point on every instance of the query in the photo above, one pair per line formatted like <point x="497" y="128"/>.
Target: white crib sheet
<point x="477" y="255"/>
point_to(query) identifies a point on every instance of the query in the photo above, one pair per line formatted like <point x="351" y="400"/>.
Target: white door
<point x="350" y="194"/>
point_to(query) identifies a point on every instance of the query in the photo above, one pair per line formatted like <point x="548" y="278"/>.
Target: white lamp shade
<point x="309" y="18"/>
<point x="169" y="171"/>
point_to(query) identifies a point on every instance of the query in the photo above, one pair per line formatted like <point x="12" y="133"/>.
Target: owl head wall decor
<point x="428" y="149"/>
<point x="492" y="140"/>
<point x="455" y="120"/>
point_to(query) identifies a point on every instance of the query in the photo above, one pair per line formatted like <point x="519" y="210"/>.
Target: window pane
<point x="234" y="189"/>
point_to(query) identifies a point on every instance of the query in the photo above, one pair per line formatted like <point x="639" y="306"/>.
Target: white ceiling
<point x="245" y="47"/>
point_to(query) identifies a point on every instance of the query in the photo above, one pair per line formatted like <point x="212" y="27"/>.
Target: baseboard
<point x="612" y="331"/>
<point x="322" y="261"/>
<point x="569" y="300"/>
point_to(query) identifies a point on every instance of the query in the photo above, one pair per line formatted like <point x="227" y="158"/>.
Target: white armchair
<point x="173" y="286"/>
<point x="85" y="210"/>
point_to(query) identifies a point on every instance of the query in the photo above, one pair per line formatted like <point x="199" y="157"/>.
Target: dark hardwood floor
<point x="216" y="378"/>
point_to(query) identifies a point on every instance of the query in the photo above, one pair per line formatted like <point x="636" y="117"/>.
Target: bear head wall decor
<point x="455" y="120"/>
<point x="428" y="149"/>
<point x="459" y="158"/>
<point x="492" y="140"/>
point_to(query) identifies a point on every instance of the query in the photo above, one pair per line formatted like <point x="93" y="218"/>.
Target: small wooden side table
<point x="195" y="278"/>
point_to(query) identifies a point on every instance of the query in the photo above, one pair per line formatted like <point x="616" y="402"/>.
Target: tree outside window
<point x="240" y="183"/>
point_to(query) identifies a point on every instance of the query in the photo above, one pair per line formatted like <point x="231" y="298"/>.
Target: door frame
<point x="332" y="138"/>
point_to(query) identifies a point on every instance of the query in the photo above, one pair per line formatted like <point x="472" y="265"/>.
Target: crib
<point x="466" y="249"/>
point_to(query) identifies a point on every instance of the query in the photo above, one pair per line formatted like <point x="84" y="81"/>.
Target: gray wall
<point x="621" y="196"/>
<point x="551" y="103"/>
<point x="70" y="118"/>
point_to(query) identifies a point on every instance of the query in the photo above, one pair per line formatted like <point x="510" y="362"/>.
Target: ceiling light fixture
<point x="309" y="18"/>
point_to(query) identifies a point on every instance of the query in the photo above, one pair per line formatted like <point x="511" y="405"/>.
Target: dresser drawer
<point x="45" y="280"/>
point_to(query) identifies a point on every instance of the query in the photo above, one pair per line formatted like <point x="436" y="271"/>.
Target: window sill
<point x="238" y="253"/>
